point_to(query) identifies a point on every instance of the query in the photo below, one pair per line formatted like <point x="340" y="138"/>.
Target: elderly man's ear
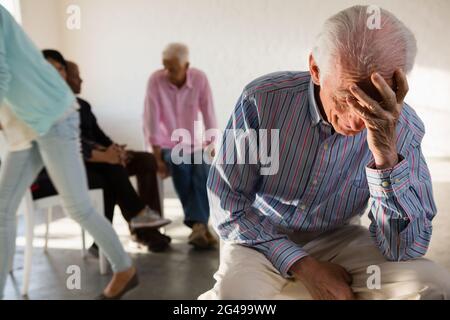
<point x="314" y="70"/>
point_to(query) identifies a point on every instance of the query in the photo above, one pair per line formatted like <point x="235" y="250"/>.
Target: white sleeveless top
<point x="18" y="134"/>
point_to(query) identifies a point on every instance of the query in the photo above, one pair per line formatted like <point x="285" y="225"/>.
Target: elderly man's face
<point x="176" y="70"/>
<point x="334" y="89"/>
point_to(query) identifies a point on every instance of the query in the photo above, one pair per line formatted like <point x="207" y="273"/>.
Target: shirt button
<point x="397" y="180"/>
<point x="303" y="207"/>
<point x="314" y="182"/>
<point x="385" y="184"/>
<point x="325" y="146"/>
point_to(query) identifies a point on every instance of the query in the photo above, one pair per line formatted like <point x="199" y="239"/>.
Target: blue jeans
<point x="190" y="184"/>
<point x="59" y="152"/>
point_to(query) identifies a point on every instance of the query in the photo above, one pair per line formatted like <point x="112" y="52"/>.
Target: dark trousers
<point x="117" y="188"/>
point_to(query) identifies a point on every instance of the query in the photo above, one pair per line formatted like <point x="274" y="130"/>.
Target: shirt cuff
<point x="386" y="183"/>
<point x="283" y="254"/>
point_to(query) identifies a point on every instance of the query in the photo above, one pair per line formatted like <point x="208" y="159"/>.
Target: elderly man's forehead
<point x="366" y="85"/>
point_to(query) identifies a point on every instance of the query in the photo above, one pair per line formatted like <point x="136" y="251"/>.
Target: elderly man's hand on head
<point x="380" y="118"/>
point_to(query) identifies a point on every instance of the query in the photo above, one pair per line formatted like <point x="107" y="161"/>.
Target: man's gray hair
<point x="349" y="39"/>
<point x="177" y="50"/>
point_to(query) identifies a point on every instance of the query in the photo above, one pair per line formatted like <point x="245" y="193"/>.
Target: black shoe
<point x="133" y="283"/>
<point x="158" y="246"/>
<point x="93" y="251"/>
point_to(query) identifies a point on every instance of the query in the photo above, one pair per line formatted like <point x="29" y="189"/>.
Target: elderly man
<point x="346" y="139"/>
<point x="176" y="95"/>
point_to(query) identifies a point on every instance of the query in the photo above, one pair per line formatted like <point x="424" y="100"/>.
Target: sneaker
<point x="150" y="219"/>
<point x="198" y="237"/>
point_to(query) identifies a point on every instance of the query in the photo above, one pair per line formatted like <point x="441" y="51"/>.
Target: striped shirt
<point x="323" y="180"/>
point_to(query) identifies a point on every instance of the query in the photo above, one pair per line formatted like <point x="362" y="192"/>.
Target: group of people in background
<point x="56" y="146"/>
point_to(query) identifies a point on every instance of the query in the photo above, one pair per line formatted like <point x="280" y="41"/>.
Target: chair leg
<point x="47" y="228"/>
<point x="103" y="264"/>
<point x="29" y="222"/>
<point x="83" y="243"/>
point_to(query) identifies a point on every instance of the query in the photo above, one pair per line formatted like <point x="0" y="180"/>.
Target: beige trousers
<point x="246" y="274"/>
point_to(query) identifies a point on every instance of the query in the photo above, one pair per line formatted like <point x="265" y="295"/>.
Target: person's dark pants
<point x="143" y="166"/>
<point x="190" y="184"/>
<point x="116" y="186"/>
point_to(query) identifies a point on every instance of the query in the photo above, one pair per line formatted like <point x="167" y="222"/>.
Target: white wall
<point x="233" y="41"/>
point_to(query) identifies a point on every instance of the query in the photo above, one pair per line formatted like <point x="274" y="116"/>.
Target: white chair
<point x="30" y="207"/>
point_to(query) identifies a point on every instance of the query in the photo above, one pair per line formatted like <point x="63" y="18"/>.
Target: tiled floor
<point x="181" y="273"/>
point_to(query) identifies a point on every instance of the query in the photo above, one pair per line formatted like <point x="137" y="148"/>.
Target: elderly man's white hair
<point x="350" y="39"/>
<point x="176" y="50"/>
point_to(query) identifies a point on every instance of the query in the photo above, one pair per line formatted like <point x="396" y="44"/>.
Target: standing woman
<point x="39" y="118"/>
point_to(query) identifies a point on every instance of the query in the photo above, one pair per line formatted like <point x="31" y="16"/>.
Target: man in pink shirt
<point x="175" y="98"/>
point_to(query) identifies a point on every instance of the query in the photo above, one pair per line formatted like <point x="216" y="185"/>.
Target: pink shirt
<point x="168" y="107"/>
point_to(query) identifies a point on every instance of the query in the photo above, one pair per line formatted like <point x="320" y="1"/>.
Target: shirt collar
<point x="316" y="117"/>
<point x="187" y="84"/>
<point x="314" y="111"/>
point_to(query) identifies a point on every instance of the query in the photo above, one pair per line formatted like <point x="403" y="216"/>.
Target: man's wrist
<point x="388" y="161"/>
<point x="301" y="266"/>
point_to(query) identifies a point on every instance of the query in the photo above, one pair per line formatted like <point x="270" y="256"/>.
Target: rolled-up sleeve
<point x="232" y="189"/>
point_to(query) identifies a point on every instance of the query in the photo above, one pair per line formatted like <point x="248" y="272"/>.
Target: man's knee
<point x="246" y="274"/>
<point x="414" y="279"/>
<point x="236" y="285"/>
<point x="143" y="162"/>
<point x="433" y="279"/>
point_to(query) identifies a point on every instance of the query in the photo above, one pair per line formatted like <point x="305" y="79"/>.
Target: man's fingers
<point x="384" y="89"/>
<point x="365" y="100"/>
<point x="362" y="112"/>
<point x="402" y="85"/>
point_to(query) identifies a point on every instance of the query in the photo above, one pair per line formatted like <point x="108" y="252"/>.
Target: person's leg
<point x="96" y="180"/>
<point x="116" y="177"/>
<point x="399" y="280"/>
<point x="60" y="152"/>
<point x="182" y="181"/>
<point x="143" y="166"/>
<point x="201" y="206"/>
<point x="17" y="172"/>
<point x="352" y="248"/>
<point x="244" y="274"/>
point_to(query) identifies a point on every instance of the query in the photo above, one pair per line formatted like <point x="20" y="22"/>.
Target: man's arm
<point x="232" y="190"/>
<point x="402" y="204"/>
<point x="151" y="124"/>
<point x="151" y="116"/>
<point x="402" y="207"/>
<point x="207" y="106"/>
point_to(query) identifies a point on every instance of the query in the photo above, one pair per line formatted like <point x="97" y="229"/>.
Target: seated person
<point x="108" y="167"/>
<point x="347" y="140"/>
<point x="177" y="97"/>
